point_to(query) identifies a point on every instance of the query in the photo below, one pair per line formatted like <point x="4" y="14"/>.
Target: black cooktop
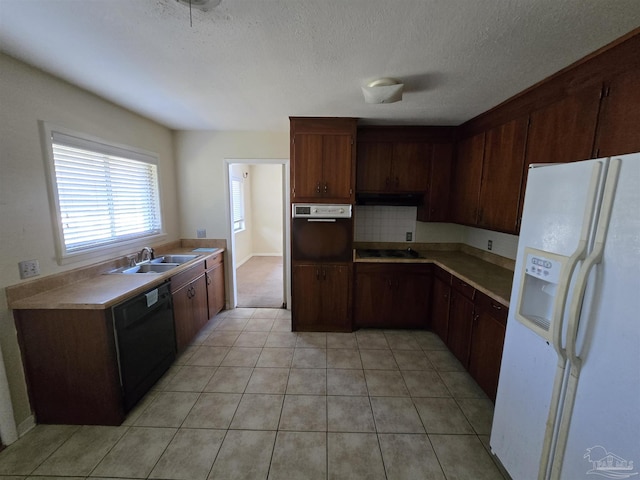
<point x="388" y="253"/>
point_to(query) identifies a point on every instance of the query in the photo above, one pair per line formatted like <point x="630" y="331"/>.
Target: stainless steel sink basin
<point x="179" y="259"/>
<point x="147" y="268"/>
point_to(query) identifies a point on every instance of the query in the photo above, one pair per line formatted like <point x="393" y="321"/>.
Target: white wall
<point x="28" y="95"/>
<point x="266" y="209"/>
<point x="200" y="157"/>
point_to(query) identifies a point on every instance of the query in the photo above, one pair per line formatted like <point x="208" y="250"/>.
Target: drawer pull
<point x="497" y="307"/>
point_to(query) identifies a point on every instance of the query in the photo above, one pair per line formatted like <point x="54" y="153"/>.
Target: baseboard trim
<point x="26" y="425"/>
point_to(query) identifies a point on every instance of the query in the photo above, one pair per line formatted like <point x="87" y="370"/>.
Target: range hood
<point x="395" y="199"/>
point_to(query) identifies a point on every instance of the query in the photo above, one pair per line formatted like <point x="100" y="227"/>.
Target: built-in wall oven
<point x="321" y="233"/>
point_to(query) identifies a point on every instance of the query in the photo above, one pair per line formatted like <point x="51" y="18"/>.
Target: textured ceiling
<point x="250" y="64"/>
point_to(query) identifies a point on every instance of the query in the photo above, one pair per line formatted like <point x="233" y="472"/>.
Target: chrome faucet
<point x="146" y="254"/>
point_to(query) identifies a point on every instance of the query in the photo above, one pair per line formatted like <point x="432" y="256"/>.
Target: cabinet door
<point x="183" y="316"/>
<point x="460" y="324"/>
<point x="486" y="352"/>
<point x="190" y="311"/>
<point x="335" y="287"/>
<point x="410" y="167"/>
<point x="436" y="201"/>
<point x="468" y="175"/>
<point x="562" y="132"/>
<point x="440" y="308"/>
<point x="373" y="168"/>
<point x="307" y="166"/>
<point x="373" y="297"/>
<point x="215" y="289"/>
<point x="412" y="298"/>
<point x="502" y="176"/>
<point x="337" y="165"/>
<point x="619" y="120"/>
<point x="306" y="297"/>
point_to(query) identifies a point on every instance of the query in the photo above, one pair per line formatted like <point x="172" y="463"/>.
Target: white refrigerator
<point x="568" y="401"/>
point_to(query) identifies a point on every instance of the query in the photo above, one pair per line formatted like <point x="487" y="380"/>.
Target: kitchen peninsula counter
<point x="490" y="278"/>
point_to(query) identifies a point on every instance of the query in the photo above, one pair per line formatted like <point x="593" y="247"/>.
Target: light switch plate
<point x="409" y="236"/>
<point x="201" y="233"/>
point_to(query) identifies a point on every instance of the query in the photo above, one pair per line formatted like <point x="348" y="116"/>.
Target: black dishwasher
<point x="146" y="341"/>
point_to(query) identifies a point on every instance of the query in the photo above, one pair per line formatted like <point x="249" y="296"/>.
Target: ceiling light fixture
<point x="383" y="90"/>
<point x="203" y="5"/>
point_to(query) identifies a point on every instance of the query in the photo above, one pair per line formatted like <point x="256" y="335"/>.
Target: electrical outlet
<point x="409" y="236"/>
<point x="201" y="233"/>
<point x="490" y="245"/>
<point x="29" y="268"/>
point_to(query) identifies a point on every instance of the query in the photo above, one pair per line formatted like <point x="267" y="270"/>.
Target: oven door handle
<point x="325" y="220"/>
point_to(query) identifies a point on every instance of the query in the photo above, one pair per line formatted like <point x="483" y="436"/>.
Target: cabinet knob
<point x="318" y="187"/>
<point x="326" y="188"/>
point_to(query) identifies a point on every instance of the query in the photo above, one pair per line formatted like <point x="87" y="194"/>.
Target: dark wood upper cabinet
<point x="502" y="175"/>
<point x="392" y="167"/>
<point x="619" y="121"/>
<point x="468" y="176"/>
<point x="410" y="167"/>
<point x="373" y="170"/>
<point x="436" y="204"/>
<point x="322" y="159"/>
<point x="562" y="132"/>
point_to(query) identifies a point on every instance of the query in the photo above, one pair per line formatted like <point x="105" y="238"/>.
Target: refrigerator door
<point x="553" y="220"/>
<point x="604" y="432"/>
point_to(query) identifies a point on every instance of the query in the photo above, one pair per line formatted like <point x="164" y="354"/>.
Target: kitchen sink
<point x="147" y="268"/>
<point x="179" y="259"/>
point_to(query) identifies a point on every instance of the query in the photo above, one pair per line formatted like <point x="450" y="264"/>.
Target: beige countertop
<point x="490" y="279"/>
<point x="104" y="290"/>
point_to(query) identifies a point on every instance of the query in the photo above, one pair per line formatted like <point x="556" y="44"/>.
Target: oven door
<point x="322" y="239"/>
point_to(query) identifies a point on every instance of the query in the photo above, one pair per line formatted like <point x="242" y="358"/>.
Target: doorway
<point x="259" y="232"/>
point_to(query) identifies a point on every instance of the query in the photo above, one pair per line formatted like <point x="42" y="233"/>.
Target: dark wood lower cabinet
<point x="392" y="296"/>
<point x="215" y="289"/>
<point x="440" y="304"/>
<point x="190" y="311"/>
<point x="472" y="325"/>
<point x="71" y="366"/>
<point x="460" y="326"/>
<point x="321" y="297"/>
<point x="486" y="346"/>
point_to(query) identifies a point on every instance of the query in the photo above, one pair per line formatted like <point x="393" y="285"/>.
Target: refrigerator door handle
<point x="594" y="258"/>
<point x="580" y="253"/>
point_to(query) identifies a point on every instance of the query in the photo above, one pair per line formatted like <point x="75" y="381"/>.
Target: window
<point x="238" y="204"/>
<point x="104" y="195"/>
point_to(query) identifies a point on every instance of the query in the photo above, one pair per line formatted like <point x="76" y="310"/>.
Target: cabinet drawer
<point x="187" y="276"/>
<point x="463" y="287"/>
<point x="211" y="262"/>
<point x="493" y="308"/>
<point x="443" y="275"/>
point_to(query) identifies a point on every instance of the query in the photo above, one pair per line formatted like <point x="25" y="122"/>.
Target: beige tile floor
<point x="252" y="400"/>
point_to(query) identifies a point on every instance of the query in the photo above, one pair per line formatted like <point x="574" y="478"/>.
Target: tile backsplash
<point x="374" y="223"/>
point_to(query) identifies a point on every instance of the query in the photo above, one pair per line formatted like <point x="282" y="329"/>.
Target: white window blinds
<point x="105" y="194"/>
<point x="238" y="204"/>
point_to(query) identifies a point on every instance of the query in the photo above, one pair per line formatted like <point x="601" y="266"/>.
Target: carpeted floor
<point x="259" y="282"/>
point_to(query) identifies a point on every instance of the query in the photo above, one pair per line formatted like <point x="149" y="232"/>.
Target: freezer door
<point x="553" y="219"/>
<point x="604" y="432"/>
